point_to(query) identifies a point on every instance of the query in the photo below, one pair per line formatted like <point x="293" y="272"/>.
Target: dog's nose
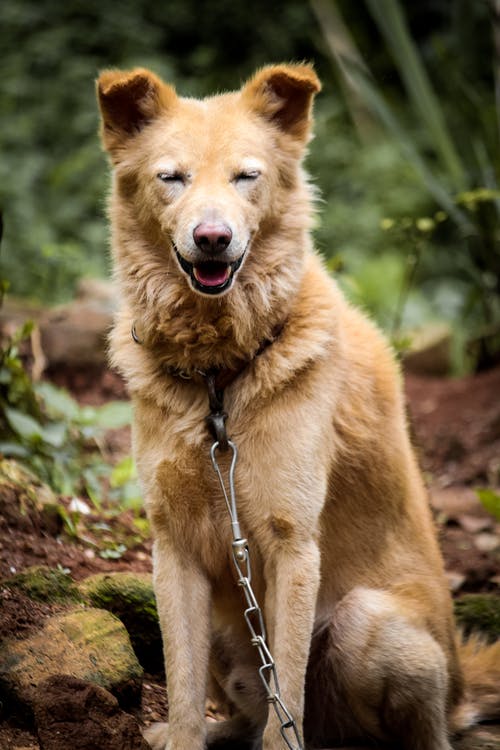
<point x="212" y="237"/>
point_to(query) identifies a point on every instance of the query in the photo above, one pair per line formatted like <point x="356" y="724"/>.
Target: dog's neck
<point x="310" y="330"/>
<point x="188" y="331"/>
<point x="212" y="335"/>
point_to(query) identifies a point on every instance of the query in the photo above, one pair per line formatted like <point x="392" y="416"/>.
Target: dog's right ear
<point x="128" y="101"/>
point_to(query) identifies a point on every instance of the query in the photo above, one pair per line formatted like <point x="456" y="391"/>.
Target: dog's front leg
<point x="183" y="596"/>
<point x="292" y="575"/>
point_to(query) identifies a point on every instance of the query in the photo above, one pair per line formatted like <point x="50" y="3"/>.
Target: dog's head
<point x="205" y="179"/>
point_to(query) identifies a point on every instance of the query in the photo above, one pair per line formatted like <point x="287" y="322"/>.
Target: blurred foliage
<point x="438" y="111"/>
<point x="60" y="441"/>
<point x="490" y="501"/>
<point x="53" y="176"/>
<point x="417" y="149"/>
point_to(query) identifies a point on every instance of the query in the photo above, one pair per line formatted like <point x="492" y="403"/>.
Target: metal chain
<point x="253" y="613"/>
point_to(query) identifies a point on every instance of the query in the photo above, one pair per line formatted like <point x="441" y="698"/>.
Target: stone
<point x="90" y="644"/>
<point x="130" y="596"/>
<point x="430" y="350"/>
<point x="486" y="542"/>
<point x="72" y="713"/>
<point x="77" y="333"/>
<point x="71" y="334"/>
<point x="475" y="524"/>
<point x="44" y="584"/>
<point x="455" y="579"/>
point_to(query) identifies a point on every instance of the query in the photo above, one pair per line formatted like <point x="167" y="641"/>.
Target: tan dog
<point x="211" y="214"/>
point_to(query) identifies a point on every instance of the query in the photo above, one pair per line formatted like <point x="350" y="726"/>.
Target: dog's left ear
<point x="284" y="94"/>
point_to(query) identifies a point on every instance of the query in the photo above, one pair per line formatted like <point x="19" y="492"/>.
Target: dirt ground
<point x="456" y="430"/>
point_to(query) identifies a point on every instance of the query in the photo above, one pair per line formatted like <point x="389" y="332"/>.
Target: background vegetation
<point x="406" y="153"/>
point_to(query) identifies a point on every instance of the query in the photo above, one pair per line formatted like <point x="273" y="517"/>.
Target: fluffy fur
<point x="345" y="560"/>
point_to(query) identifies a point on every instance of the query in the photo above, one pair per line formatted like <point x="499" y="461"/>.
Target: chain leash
<point x="253" y="613"/>
<point x="216" y="421"/>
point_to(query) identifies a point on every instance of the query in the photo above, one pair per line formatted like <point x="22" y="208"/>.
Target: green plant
<point x="490" y="500"/>
<point x="450" y="140"/>
<point x="46" y="429"/>
<point x="53" y="176"/>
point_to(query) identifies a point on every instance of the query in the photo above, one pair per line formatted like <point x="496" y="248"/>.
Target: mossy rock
<point x="130" y="596"/>
<point x="479" y="612"/>
<point x="44" y="584"/>
<point x="90" y="644"/>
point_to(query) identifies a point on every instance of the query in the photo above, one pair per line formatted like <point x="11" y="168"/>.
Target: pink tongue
<point x="212" y="275"/>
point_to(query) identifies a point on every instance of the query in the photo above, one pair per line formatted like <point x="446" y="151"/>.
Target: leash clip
<point x="216" y="420"/>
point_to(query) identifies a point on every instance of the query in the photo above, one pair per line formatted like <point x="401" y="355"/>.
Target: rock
<point x="475" y="524"/>
<point x="479" y="612"/>
<point x="97" y="291"/>
<point x="486" y="542"/>
<point x="44" y="585"/>
<point x="71" y="713"/>
<point x="15" y="311"/>
<point x="130" y="597"/>
<point x="455" y="579"/>
<point x="455" y="502"/>
<point x="76" y="333"/>
<point x="91" y="644"/>
<point x="430" y="350"/>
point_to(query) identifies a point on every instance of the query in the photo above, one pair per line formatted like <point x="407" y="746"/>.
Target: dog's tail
<point x="480" y="663"/>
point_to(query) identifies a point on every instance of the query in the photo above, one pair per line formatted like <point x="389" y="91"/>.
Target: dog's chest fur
<point x="185" y="499"/>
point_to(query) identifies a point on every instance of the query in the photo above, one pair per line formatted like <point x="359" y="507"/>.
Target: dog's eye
<point x="247" y="176"/>
<point x="171" y="177"/>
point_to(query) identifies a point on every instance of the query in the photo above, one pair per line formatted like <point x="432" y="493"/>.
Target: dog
<point x="225" y="303"/>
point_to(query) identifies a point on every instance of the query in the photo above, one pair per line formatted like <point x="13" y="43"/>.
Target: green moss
<point x="44" y="584"/>
<point x="90" y="644"/>
<point x="479" y="612"/>
<point x="131" y="598"/>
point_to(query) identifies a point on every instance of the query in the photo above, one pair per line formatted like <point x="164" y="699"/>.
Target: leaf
<point x="142" y="525"/>
<point x="57" y="401"/>
<point x="131" y="496"/>
<point x="112" y="415"/>
<point x="490" y="500"/>
<point x="69" y="523"/>
<point x="123" y="472"/>
<point x="54" y="434"/>
<point x="14" y="449"/>
<point x="113" y="554"/>
<point x="377" y="102"/>
<point x="23" y="332"/>
<point x="23" y="425"/>
<point x="390" y="19"/>
<point x="5" y="376"/>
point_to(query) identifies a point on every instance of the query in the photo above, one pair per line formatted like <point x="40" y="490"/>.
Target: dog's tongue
<point x="212" y="274"/>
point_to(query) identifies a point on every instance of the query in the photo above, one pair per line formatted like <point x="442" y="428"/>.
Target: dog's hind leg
<point x="390" y="673"/>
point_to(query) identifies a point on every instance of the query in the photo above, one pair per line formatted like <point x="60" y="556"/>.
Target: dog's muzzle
<point x="210" y="276"/>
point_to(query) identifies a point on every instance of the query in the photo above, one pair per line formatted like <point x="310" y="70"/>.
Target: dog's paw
<point x="156" y="736"/>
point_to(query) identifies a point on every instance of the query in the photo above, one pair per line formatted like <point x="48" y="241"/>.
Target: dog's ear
<point x="128" y="101"/>
<point x="284" y="95"/>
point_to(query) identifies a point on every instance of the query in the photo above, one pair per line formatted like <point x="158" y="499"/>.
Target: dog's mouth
<point x="210" y="276"/>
